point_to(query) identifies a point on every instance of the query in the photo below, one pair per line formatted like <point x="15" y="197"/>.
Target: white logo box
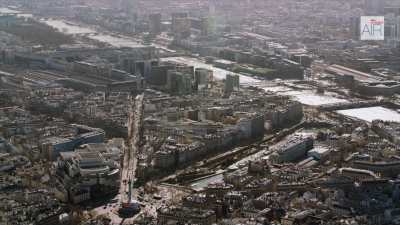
<point x="372" y="28"/>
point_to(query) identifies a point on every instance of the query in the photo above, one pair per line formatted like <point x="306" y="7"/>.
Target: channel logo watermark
<point x="372" y="28"/>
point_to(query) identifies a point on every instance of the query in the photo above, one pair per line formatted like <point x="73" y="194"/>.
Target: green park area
<point x="255" y="71"/>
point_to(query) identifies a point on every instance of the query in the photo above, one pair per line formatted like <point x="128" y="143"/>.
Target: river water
<point x="75" y="29"/>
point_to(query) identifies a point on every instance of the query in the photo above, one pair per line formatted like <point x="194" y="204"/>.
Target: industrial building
<point x="54" y="146"/>
<point x="203" y="78"/>
<point x="295" y="147"/>
<point x="181" y="25"/>
<point x="232" y="83"/>
<point x="139" y="61"/>
<point x="88" y="172"/>
<point x="363" y="83"/>
<point x="319" y="153"/>
<point x="386" y="169"/>
<point x="358" y="174"/>
<point x="155" y="25"/>
<point x="185" y="215"/>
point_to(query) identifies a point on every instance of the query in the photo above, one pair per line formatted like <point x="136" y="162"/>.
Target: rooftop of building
<point x="358" y="75"/>
<point x="290" y="142"/>
<point x="186" y="212"/>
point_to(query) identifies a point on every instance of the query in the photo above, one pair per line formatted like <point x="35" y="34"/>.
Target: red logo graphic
<point x="375" y="22"/>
